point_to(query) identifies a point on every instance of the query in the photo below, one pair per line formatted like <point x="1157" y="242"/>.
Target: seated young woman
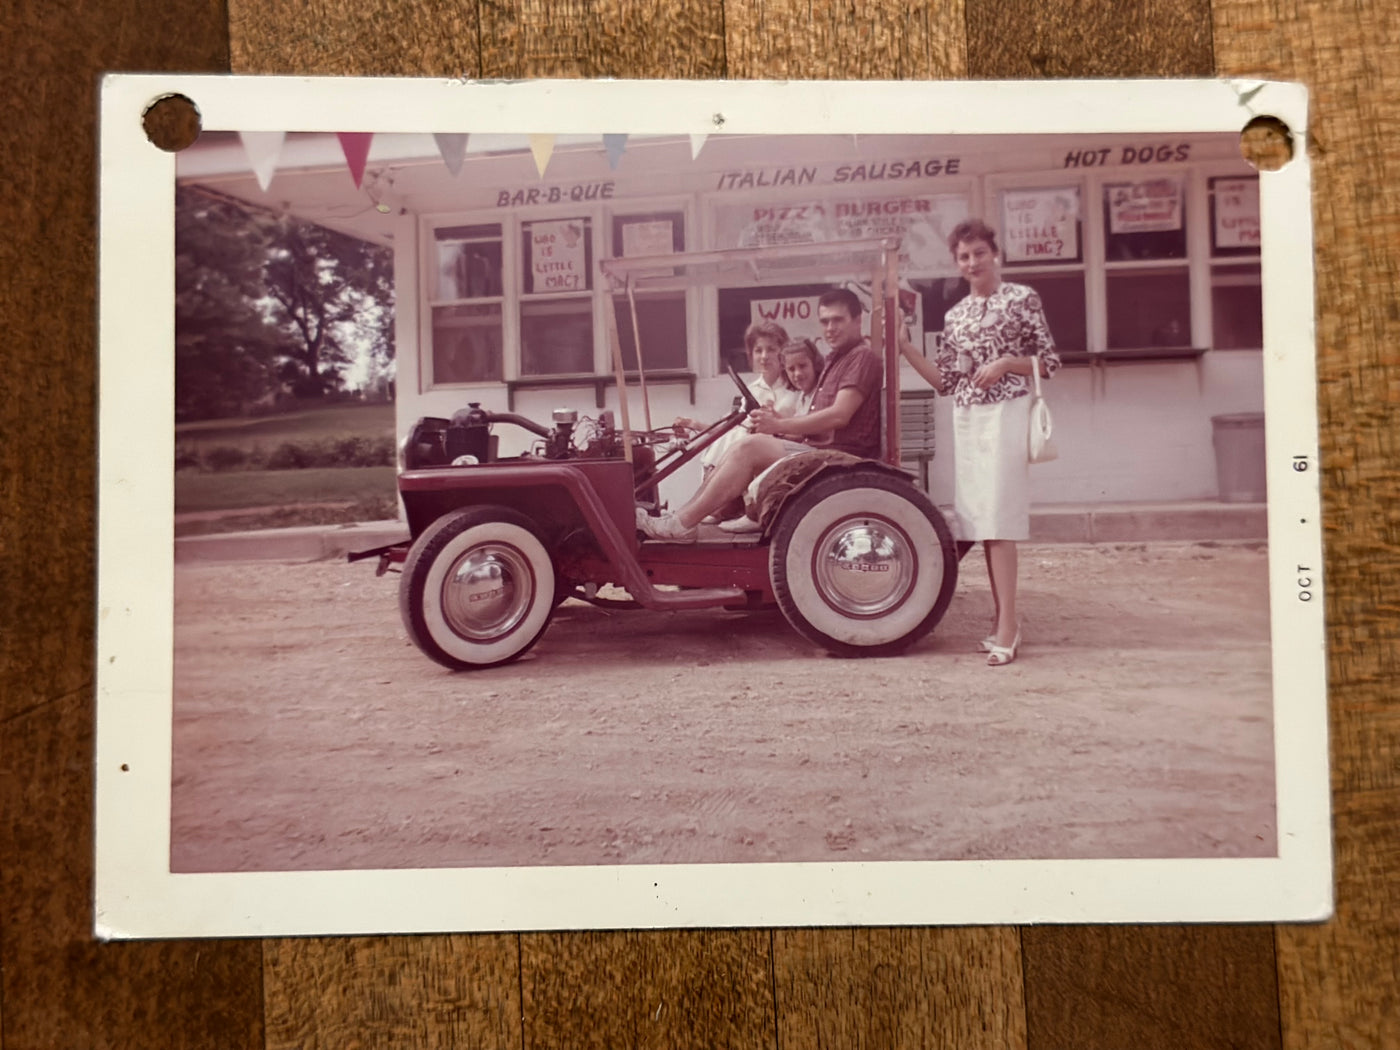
<point x="845" y="416"/>
<point x="802" y="364"/>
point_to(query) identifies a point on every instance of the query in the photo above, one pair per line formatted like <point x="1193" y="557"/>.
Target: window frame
<point x="600" y="216"/>
<point x="1212" y="263"/>
<point x="590" y="216"/>
<point x="617" y="214"/>
<point x="1090" y="243"/>
<point x="428" y="302"/>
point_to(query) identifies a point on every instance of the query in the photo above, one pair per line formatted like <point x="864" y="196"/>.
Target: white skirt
<point x="991" y="491"/>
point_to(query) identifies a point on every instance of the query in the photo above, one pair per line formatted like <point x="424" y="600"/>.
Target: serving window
<point x="1236" y="288"/>
<point x="531" y="284"/>
<point x="1146" y="267"/>
<point x="556" y="304"/>
<point x="466" y="301"/>
<point x="660" y="316"/>
<point x="1042" y="246"/>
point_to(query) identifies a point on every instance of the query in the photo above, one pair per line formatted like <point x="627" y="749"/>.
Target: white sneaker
<point x="666" y="527"/>
<point x="744" y="524"/>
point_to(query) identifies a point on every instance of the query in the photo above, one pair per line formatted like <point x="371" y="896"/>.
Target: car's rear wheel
<point x="861" y="563"/>
<point x="478" y="588"/>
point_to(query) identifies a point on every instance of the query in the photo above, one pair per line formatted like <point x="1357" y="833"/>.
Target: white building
<point x="1145" y="250"/>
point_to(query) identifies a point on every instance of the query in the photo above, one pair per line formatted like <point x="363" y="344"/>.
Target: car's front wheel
<point x="861" y="563"/>
<point x="477" y="588"/>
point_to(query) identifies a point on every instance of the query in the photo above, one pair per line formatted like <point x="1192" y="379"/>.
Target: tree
<point x="333" y="297"/>
<point x="226" y="347"/>
<point x="266" y="303"/>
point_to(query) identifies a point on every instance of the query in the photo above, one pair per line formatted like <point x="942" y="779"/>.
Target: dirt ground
<point x="309" y="733"/>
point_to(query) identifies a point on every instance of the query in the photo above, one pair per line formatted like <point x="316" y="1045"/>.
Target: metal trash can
<point x="1239" y="457"/>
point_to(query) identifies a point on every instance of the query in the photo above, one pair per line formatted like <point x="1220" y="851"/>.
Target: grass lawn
<point x="311" y="424"/>
<point x="264" y="488"/>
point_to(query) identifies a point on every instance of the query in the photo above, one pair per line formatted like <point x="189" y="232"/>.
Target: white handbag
<point x="1042" y="443"/>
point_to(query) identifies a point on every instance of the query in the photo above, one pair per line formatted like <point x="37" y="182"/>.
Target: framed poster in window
<point x="1234" y="216"/>
<point x="1041" y="225"/>
<point x="558" y="256"/>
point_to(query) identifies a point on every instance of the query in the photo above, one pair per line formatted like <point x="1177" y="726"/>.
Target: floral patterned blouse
<point x="978" y="330"/>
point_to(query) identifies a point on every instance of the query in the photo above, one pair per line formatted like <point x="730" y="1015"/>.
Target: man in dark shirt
<point x="845" y="415"/>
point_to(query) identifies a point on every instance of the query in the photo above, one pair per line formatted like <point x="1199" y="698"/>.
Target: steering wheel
<point x="750" y="402"/>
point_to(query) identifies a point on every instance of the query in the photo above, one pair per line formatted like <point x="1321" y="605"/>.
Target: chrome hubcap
<point x="487" y="592"/>
<point x="864" y="567"/>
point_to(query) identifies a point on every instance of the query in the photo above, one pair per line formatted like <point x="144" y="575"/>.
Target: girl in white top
<point x="802" y="364"/>
<point x="764" y="342"/>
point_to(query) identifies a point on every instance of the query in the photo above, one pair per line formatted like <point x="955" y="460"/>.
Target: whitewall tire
<point x="861" y="563"/>
<point x="478" y="588"/>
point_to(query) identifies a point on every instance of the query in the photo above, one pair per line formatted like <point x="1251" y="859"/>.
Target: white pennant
<point x="453" y="147"/>
<point x="542" y="146"/>
<point x="264" y="149"/>
<point x="697" y="143"/>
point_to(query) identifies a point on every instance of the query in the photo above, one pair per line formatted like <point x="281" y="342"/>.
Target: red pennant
<point x="355" y="145"/>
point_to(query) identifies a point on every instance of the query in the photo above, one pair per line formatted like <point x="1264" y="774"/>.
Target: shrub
<point x="225" y="457"/>
<point x="356" y="451"/>
<point x="291" y="456"/>
<point x="362" y="452"/>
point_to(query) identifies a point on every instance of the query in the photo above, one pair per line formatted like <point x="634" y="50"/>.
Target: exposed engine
<point x="466" y="439"/>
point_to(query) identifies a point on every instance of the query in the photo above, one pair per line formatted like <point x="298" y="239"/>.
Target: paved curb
<point x="308" y="543"/>
<point x="1143" y="522"/>
<point x="1053" y="523"/>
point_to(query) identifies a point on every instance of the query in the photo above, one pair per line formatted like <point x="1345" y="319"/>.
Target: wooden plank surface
<point x="58" y="987"/>
<point x="1141" y="986"/>
<point x="1023" y="39"/>
<point x="1340" y="982"/>
<point x="662" y="989"/>
<point x="877" y="40"/>
<point x="900" y="988"/>
<point x="354" y="993"/>
<point x="1330" y="985"/>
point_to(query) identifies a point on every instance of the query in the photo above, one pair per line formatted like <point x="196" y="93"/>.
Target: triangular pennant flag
<point x="264" y="148"/>
<point x="614" y="144"/>
<point x="542" y="146"/>
<point x="697" y="143"/>
<point x="355" y="145"/>
<point x="453" y="148"/>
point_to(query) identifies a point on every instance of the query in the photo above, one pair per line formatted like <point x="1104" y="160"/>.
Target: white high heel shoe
<point x="1001" y="655"/>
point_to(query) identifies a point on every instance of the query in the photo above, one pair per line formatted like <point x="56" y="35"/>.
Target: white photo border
<point x="137" y="895"/>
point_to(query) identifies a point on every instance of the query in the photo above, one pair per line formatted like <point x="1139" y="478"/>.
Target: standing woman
<point x="991" y="341"/>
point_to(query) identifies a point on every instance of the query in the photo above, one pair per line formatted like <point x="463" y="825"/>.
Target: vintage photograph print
<point x="592" y="505"/>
